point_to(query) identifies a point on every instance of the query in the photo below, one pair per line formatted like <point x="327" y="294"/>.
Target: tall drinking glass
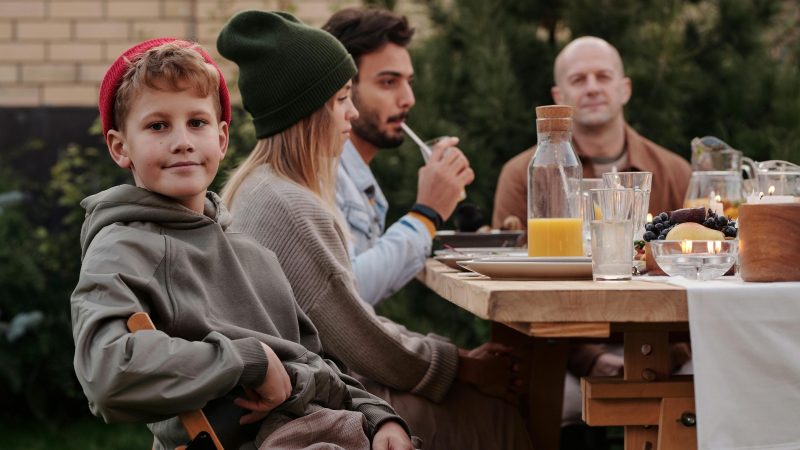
<point x="612" y="246"/>
<point x="631" y="180"/>
<point x="641" y="183"/>
<point x="587" y="211"/>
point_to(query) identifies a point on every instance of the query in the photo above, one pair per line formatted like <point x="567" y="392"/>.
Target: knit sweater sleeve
<point x="291" y="222"/>
<point x="375" y="410"/>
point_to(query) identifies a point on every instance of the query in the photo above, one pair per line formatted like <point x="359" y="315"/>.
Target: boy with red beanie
<point x="230" y="337"/>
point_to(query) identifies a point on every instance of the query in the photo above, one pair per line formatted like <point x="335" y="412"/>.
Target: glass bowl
<point x="695" y="260"/>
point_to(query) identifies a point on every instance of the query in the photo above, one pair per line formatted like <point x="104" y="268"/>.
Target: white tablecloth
<point x="746" y="352"/>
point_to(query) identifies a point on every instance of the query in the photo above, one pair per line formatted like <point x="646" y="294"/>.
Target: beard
<point x="368" y="127"/>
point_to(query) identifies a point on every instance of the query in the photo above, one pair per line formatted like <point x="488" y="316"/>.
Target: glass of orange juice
<point x="555" y="236"/>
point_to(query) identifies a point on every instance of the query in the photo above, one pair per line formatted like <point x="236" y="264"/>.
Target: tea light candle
<point x="715" y="204"/>
<point x="713" y="247"/>
<point x="699" y="260"/>
<point x="770" y="198"/>
<point x="754" y="198"/>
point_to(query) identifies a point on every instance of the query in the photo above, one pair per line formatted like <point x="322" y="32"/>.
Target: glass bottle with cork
<point x="554" y="183"/>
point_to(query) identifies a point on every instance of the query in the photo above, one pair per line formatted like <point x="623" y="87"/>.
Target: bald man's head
<point x="581" y="46"/>
<point x="589" y="76"/>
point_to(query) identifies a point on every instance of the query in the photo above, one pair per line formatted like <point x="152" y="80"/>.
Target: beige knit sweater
<point x="291" y="221"/>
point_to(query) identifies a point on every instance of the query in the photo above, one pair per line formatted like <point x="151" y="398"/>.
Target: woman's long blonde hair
<point x="305" y="153"/>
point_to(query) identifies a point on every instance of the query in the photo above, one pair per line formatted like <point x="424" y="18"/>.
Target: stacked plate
<point x="452" y="256"/>
<point x="531" y="268"/>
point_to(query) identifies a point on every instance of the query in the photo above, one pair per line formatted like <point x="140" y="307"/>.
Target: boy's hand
<point x="391" y="436"/>
<point x="274" y="390"/>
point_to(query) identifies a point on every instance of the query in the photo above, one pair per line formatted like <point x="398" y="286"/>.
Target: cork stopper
<point x="554" y="112"/>
<point x="549" y="125"/>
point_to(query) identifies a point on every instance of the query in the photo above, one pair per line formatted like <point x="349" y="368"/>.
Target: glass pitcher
<point x="555" y="226"/>
<point x="717" y="171"/>
<point x="782" y="176"/>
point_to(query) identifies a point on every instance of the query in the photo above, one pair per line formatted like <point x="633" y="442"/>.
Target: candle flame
<point x="686" y="247"/>
<point x="717" y="198"/>
<point x="714" y="247"/>
<point x="649" y="217"/>
<point x="771" y="190"/>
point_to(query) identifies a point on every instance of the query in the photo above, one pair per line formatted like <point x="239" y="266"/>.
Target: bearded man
<point x="385" y="259"/>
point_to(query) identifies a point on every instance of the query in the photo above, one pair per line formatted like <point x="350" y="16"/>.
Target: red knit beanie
<point x="113" y="80"/>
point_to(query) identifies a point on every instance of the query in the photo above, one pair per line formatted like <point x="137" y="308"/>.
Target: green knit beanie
<point x="287" y="69"/>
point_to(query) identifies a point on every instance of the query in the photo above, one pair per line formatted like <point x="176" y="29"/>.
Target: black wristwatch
<point x="429" y="213"/>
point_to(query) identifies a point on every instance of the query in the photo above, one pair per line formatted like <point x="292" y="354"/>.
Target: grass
<point x="94" y="434"/>
<point x="83" y="434"/>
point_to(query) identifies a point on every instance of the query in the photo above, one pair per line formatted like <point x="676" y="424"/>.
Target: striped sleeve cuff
<point x="255" y="361"/>
<point x="429" y="225"/>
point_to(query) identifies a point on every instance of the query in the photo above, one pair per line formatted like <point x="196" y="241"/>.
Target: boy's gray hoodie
<point x="213" y="295"/>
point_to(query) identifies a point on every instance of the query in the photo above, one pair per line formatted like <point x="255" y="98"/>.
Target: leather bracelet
<point x="429" y="213"/>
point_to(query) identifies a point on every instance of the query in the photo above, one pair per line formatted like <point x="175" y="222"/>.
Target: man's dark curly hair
<point x="364" y="30"/>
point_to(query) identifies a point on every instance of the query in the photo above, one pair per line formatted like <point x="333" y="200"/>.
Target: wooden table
<point x="657" y="410"/>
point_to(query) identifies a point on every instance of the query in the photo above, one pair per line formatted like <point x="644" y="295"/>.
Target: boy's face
<point x="173" y="143"/>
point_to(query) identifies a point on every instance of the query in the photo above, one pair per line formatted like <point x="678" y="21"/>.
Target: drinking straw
<point x="423" y="147"/>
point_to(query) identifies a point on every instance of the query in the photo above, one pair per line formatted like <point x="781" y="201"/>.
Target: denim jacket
<point x="382" y="262"/>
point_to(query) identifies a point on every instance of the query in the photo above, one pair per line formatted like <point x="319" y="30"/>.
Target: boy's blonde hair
<point x="305" y="153"/>
<point x="169" y="66"/>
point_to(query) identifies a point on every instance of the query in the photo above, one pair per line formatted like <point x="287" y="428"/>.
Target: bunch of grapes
<point x="658" y="228"/>
<point x="721" y="223"/>
<point x="661" y="225"/>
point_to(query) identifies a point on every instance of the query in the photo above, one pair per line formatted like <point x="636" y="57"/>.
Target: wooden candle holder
<point x="769" y="242"/>
<point x="651" y="266"/>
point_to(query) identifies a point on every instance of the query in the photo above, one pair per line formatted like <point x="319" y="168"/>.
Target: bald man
<point x="590" y="77"/>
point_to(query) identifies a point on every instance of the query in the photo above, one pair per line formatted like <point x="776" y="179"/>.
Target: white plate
<point x="536" y="259"/>
<point x="564" y="268"/>
<point x="452" y="258"/>
<point x="482" y="251"/>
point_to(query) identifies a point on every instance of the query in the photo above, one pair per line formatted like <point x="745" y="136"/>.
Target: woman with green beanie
<point x="294" y="81"/>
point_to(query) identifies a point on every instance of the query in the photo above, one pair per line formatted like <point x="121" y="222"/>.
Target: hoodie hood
<point x="127" y="203"/>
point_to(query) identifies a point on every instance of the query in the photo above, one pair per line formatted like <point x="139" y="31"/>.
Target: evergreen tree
<point x="698" y="67"/>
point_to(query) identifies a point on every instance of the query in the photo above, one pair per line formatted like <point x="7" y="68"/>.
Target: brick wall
<point x="54" y="53"/>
